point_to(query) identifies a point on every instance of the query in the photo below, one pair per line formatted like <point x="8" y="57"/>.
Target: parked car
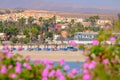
<point x="72" y="48"/>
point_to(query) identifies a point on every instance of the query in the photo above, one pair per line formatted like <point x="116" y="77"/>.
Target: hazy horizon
<point x="64" y="5"/>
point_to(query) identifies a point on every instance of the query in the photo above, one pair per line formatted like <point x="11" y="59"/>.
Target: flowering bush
<point x="103" y="60"/>
<point x="14" y="67"/>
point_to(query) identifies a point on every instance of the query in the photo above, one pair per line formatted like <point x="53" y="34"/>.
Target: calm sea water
<point x="72" y="65"/>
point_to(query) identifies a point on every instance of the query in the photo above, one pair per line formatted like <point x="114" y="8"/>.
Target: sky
<point x="60" y="4"/>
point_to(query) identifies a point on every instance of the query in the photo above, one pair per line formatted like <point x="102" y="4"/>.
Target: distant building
<point x="60" y="26"/>
<point x="85" y="36"/>
<point x="86" y="24"/>
<point x="103" y="22"/>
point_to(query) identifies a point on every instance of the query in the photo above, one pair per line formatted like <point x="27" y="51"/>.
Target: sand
<point x="76" y="56"/>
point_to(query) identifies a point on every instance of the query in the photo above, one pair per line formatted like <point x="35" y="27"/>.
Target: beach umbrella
<point x="73" y="43"/>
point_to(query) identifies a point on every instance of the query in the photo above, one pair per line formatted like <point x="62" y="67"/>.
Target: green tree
<point x="30" y="20"/>
<point x="34" y="31"/>
<point x="1" y="27"/>
<point x="21" y="23"/>
<point x="93" y="20"/>
<point x="72" y="22"/>
<point x="12" y="31"/>
<point x="50" y="35"/>
<point x="117" y="26"/>
<point x="78" y="27"/>
<point x="40" y="19"/>
<point x="26" y="32"/>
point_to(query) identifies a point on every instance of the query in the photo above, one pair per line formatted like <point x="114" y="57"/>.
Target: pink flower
<point x="112" y="39"/>
<point x="9" y="55"/>
<point x="45" y="73"/>
<point x="58" y="73"/>
<point x="49" y="66"/>
<point x="10" y="66"/>
<point x="19" y="48"/>
<point x="85" y="71"/>
<point x="66" y="67"/>
<point x="18" y="69"/>
<point x="71" y="75"/>
<point x="61" y="78"/>
<point x="44" y="78"/>
<point x="6" y="47"/>
<point x="92" y="65"/>
<point x="0" y="59"/>
<point x="25" y="64"/>
<point x="75" y="71"/>
<point x="38" y="60"/>
<point x="18" y="64"/>
<point x="93" y="62"/>
<point x="45" y="61"/>
<point x="27" y="58"/>
<point x="85" y="65"/>
<point x="13" y="76"/>
<point x="108" y="27"/>
<point x="119" y="43"/>
<point x="3" y="69"/>
<point x="86" y="77"/>
<point x="50" y="62"/>
<point x="52" y="73"/>
<point x="87" y="58"/>
<point x="6" y="51"/>
<point x="62" y="62"/>
<point x="73" y="43"/>
<point x="95" y="42"/>
<point x="29" y="67"/>
<point x="105" y="61"/>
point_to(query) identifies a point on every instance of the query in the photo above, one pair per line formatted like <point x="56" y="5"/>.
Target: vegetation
<point x="46" y="27"/>
<point x="102" y="63"/>
<point x="93" y="20"/>
<point x="103" y="60"/>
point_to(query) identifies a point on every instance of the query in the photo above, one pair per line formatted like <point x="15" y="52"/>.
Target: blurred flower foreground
<point x="15" y="67"/>
<point x="103" y="59"/>
<point x="102" y="63"/>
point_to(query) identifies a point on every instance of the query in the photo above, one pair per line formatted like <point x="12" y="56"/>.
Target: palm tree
<point x="93" y="20"/>
<point x="41" y="20"/>
<point x="30" y="20"/>
<point x="5" y="25"/>
<point x="52" y="23"/>
<point x="54" y="20"/>
<point x="21" y="23"/>
<point x="72" y="22"/>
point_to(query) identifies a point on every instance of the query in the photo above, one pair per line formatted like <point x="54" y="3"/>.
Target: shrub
<point x="103" y="59"/>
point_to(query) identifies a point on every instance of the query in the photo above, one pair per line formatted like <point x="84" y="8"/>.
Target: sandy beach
<point x="53" y="55"/>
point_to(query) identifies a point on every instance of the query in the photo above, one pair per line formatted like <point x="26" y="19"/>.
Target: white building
<point x="103" y="22"/>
